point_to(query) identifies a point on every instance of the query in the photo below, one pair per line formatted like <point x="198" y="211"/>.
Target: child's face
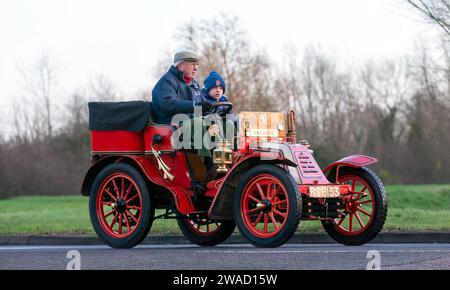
<point x="216" y="92"/>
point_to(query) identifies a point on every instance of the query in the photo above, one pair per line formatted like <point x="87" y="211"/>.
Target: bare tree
<point x="162" y="66"/>
<point x="40" y="80"/>
<point x="103" y="88"/>
<point x="435" y="11"/>
<point x="142" y="94"/>
<point x="225" y="47"/>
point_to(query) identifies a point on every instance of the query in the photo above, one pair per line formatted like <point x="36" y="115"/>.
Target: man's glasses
<point x="192" y="63"/>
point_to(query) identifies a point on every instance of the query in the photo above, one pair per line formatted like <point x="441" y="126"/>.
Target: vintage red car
<point x="265" y="185"/>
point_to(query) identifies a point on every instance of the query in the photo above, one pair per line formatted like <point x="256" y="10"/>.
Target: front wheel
<point x="267" y="206"/>
<point x="365" y="208"/>
<point x="120" y="206"/>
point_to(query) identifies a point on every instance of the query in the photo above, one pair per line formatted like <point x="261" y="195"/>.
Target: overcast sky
<point x="123" y="39"/>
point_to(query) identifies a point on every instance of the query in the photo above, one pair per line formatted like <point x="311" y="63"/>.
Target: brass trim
<point x="291" y="127"/>
<point x="162" y="165"/>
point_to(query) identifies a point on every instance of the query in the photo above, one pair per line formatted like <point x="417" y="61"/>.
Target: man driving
<point x="177" y="92"/>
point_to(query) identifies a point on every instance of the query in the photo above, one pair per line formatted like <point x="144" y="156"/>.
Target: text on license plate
<point x="324" y="191"/>
<point x="262" y="133"/>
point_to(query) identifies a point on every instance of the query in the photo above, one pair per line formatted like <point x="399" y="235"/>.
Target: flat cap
<point x="185" y="55"/>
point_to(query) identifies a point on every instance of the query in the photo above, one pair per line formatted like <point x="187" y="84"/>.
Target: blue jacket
<point x="171" y="95"/>
<point x="222" y="110"/>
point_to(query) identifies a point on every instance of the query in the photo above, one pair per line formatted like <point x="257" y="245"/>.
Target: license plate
<point x="262" y="133"/>
<point x="324" y="191"/>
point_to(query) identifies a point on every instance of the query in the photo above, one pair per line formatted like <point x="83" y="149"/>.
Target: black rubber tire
<point x="295" y="210"/>
<point x="224" y="232"/>
<point x="381" y="207"/>
<point x="148" y="210"/>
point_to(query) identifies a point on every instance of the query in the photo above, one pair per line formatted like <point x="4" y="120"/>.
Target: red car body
<point x="219" y="196"/>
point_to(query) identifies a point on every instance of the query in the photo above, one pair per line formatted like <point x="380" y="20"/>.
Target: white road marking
<point x="303" y="248"/>
<point x="320" y="252"/>
<point x="87" y="247"/>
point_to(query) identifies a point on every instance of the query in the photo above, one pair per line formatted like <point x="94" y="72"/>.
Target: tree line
<point x="396" y="110"/>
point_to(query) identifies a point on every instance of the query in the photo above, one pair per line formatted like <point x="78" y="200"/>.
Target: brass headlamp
<point x="222" y="155"/>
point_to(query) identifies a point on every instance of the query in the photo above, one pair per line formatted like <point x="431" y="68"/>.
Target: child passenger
<point x="214" y="90"/>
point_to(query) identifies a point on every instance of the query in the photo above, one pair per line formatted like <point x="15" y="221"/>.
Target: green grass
<point x="411" y="207"/>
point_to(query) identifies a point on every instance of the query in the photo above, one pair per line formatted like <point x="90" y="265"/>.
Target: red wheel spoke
<point x="364" y="202"/>
<point x="134" y="207"/>
<point x="353" y="184"/>
<point x="252" y="210"/>
<point x="260" y="191"/>
<point x="279" y="213"/>
<point x="131" y="215"/>
<point x="114" y="221"/>
<point x="110" y="213"/>
<point x="128" y="191"/>
<point x="258" y="219"/>
<point x="110" y="194"/>
<point x="120" y="223"/>
<point x="364" y="212"/>
<point x="127" y="223"/>
<point x="274" y="221"/>
<point x="266" y="223"/>
<point x="350" y="226"/>
<point x="207" y="229"/>
<point x="254" y="198"/>
<point x="132" y="198"/>
<point x="279" y="202"/>
<point x="358" y="192"/>
<point x="108" y="203"/>
<point x="122" y="188"/>
<point x="269" y="190"/>
<point x="359" y="219"/>
<point x="341" y="221"/>
<point x="364" y="188"/>
<point x="359" y="195"/>
<point x="116" y="189"/>
<point x="274" y="192"/>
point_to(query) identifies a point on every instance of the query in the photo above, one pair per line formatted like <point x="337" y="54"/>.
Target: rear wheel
<point x="365" y="208"/>
<point x="120" y="207"/>
<point x="267" y="206"/>
<point x="202" y="231"/>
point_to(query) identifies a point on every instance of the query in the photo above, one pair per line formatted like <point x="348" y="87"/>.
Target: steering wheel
<point x="215" y="106"/>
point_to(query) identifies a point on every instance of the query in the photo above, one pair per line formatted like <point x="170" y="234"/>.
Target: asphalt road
<point x="228" y="257"/>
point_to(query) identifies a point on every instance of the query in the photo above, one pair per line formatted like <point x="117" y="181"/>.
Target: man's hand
<point x="225" y="111"/>
<point x="206" y="106"/>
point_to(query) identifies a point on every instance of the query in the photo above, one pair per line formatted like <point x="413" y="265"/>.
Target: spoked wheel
<point x="120" y="208"/>
<point x="267" y="206"/>
<point x="202" y="231"/>
<point x="365" y="208"/>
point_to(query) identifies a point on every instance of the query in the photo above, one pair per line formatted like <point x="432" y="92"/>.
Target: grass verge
<point x="411" y="208"/>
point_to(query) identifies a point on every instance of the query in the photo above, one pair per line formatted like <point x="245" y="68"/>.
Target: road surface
<point x="228" y="257"/>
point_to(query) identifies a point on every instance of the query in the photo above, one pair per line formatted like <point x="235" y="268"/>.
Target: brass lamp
<point x="222" y="155"/>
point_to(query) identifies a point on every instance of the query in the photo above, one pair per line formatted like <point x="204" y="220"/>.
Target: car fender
<point x="93" y="172"/>
<point x="355" y="161"/>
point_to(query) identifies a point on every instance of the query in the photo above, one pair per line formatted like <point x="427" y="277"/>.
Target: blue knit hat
<point x="213" y="80"/>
